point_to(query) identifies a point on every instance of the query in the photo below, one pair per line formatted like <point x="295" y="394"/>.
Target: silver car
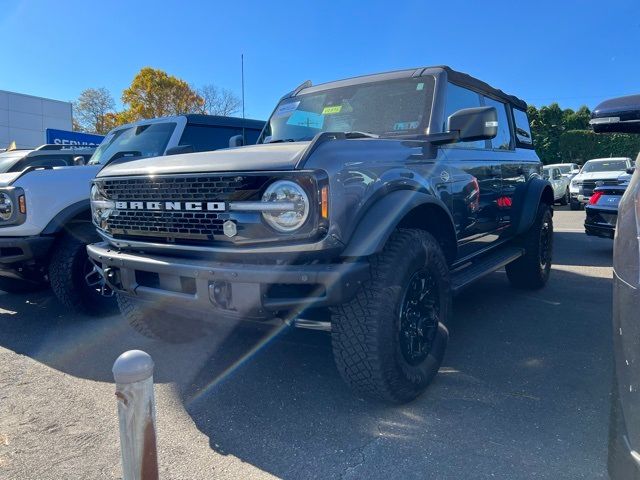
<point x="623" y="115"/>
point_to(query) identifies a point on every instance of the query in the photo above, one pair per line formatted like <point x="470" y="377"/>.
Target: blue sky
<point x="569" y="51"/>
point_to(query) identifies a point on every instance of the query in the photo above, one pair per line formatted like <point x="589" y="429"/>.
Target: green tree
<point x="153" y="93"/>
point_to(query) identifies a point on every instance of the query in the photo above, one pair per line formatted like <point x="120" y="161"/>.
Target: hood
<point x="7" y="179"/>
<point x="277" y="156"/>
<point x="598" y="176"/>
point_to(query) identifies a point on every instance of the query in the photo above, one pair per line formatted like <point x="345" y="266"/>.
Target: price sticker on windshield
<point x="331" y="110"/>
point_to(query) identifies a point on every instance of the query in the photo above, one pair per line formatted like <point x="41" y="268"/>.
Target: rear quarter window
<point x="523" y="129"/>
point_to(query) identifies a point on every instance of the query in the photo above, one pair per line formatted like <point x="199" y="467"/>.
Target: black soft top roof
<point x="459" y="78"/>
<point x="466" y="79"/>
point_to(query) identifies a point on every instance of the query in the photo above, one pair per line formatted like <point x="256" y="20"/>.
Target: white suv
<point x="597" y="173"/>
<point x="45" y="216"/>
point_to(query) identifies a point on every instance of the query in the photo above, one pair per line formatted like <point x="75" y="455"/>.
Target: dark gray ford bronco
<point x="364" y="206"/>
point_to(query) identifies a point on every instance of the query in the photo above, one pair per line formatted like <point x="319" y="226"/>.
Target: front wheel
<point x="73" y="278"/>
<point x="532" y="270"/>
<point x="575" y="205"/>
<point x="389" y="341"/>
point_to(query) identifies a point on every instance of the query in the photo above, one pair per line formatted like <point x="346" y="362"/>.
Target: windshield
<point x="566" y="168"/>
<point x="9" y="159"/>
<point x="392" y="107"/>
<point x="604" y="166"/>
<point x="138" y="140"/>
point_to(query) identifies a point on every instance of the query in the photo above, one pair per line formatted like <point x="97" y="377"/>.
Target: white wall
<point x="25" y="118"/>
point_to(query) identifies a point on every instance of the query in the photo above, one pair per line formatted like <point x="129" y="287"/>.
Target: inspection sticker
<point x="286" y="109"/>
<point x="405" y="125"/>
<point x="420" y="86"/>
<point x="331" y="110"/>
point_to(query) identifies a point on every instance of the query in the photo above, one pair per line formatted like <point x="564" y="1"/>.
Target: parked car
<point x="597" y="172"/>
<point x="365" y="205"/>
<point x="559" y="182"/>
<point x="45" y="217"/>
<point x="568" y="170"/>
<point x="602" y="209"/>
<point x="44" y="156"/>
<point x="623" y="115"/>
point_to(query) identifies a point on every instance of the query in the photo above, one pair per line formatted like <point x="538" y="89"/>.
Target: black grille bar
<point x="172" y="224"/>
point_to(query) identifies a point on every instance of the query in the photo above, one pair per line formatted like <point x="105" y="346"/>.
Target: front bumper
<point x="23" y="250"/>
<point x="239" y="290"/>
<point x="600" y="222"/>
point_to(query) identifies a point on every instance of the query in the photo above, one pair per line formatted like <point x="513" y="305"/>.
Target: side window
<point x="502" y="141"/>
<point x="456" y="99"/>
<point x="523" y="130"/>
<point x="205" y="138"/>
<point x="41" y="161"/>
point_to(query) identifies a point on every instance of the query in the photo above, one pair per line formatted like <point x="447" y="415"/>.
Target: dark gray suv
<point x="365" y="205"/>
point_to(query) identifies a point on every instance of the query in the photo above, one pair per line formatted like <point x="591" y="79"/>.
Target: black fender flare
<point x="382" y="218"/>
<point x="526" y="201"/>
<point x="59" y="222"/>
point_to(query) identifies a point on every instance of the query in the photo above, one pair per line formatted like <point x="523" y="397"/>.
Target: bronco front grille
<point x="177" y="225"/>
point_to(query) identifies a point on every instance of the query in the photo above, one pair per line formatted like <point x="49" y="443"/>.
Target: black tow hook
<point x="112" y="278"/>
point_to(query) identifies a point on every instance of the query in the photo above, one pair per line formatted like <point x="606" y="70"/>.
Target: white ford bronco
<point x="45" y="217"/>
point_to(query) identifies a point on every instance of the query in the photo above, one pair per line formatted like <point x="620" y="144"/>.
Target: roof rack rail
<point x="58" y="146"/>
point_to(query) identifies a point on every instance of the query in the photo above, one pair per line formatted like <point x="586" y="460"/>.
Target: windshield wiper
<point x="280" y="140"/>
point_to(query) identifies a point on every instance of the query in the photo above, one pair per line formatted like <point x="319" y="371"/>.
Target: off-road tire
<point x="155" y="324"/>
<point x="366" y="330"/>
<point x="67" y="270"/>
<point x="565" y="199"/>
<point x="531" y="271"/>
<point x="16" y="285"/>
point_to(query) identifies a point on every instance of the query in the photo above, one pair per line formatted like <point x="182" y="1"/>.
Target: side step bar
<point x="468" y="273"/>
<point x="312" y="324"/>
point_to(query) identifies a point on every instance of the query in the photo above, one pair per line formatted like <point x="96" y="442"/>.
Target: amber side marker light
<point x="22" y="204"/>
<point x="324" y="201"/>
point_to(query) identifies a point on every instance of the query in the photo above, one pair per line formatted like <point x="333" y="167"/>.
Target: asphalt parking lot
<point x="524" y="391"/>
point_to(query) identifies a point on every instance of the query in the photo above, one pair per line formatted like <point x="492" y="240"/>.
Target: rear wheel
<point x="158" y="325"/>
<point x="389" y="341"/>
<point x="532" y="270"/>
<point x="74" y="278"/>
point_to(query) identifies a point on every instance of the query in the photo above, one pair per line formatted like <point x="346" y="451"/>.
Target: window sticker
<point x="286" y="109"/>
<point x="331" y="110"/>
<point x="405" y="125"/>
<point x="301" y="118"/>
<point x="420" y="86"/>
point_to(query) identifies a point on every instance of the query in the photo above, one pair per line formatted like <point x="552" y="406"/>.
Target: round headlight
<point x="294" y="201"/>
<point x="101" y="208"/>
<point x="6" y="206"/>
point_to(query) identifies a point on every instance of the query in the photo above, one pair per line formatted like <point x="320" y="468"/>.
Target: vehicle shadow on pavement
<point x="577" y="245"/>
<point x="524" y="386"/>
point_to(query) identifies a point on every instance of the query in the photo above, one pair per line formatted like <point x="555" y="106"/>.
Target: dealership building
<point x="25" y="119"/>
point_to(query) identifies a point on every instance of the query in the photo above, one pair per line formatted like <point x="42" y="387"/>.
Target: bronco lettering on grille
<point x="179" y="206"/>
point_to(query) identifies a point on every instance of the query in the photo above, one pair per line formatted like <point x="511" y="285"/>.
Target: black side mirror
<point x="79" y="160"/>
<point x="236" y="141"/>
<point x="480" y="123"/>
<point x="631" y="170"/>
<point x="179" y="149"/>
